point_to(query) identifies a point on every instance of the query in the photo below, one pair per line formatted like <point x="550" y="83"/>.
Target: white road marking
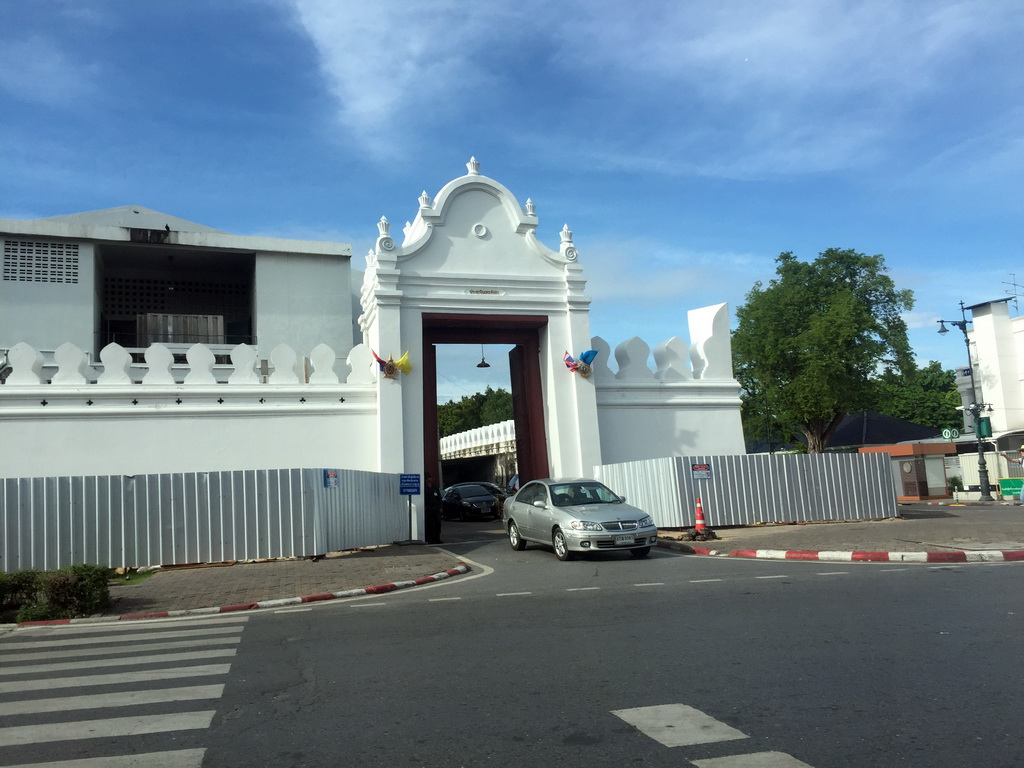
<point x="704" y="581"/>
<point x="771" y="577"/>
<point x="103" y="700"/>
<point x="364" y="605"/>
<point x="205" y="670"/>
<point x="179" y="758"/>
<point x="293" y="610"/>
<point x="512" y="594"/>
<point x="678" y="725"/>
<point x="109" y="728"/>
<point x="443" y="599"/>
<point x="754" y="760"/>
<point x="131" y="661"/>
<point x="833" y="573"/>
<point x="79" y="652"/>
<point x="651" y="584"/>
<point x="65" y="642"/>
<point x="581" y="589"/>
<point x="133" y="625"/>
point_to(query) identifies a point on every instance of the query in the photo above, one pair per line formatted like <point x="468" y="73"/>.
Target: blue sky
<point x="686" y="144"/>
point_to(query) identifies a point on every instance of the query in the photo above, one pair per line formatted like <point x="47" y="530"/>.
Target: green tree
<point x="808" y="345"/>
<point x="478" y="410"/>
<point x="925" y="396"/>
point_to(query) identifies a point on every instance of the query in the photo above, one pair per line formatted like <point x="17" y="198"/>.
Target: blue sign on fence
<point x="409" y="485"/>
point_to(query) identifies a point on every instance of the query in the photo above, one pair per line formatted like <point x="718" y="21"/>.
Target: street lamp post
<point x="976" y="407"/>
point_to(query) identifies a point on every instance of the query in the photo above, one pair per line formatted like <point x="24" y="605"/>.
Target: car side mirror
<point x="539" y="504"/>
<point x="622" y="499"/>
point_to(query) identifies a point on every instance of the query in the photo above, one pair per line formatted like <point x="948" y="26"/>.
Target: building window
<point x="36" y="261"/>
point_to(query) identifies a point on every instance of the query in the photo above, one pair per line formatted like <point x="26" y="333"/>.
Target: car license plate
<point x="624" y="539"/>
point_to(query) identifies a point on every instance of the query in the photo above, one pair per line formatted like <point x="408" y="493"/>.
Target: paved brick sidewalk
<point x="938" y="530"/>
<point x="177" y="589"/>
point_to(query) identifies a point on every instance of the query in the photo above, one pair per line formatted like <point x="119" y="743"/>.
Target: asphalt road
<point x="832" y="666"/>
<point x="606" y="661"/>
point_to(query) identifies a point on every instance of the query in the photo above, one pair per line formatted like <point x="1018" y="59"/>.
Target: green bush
<point x="92" y="592"/>
<point x="18" y="588"/>
<point x="40" y="612"/>
<point x="79" y="590"/>
<point x="954" y="483"/>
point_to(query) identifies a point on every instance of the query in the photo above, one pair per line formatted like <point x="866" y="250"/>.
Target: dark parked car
<point x="469" y="500"/>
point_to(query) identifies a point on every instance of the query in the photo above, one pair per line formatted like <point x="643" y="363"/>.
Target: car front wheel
<point x="561" y="547"/>
<point x="517" y="542"/>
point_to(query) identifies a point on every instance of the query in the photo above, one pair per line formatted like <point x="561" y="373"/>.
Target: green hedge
<point x="80" y="590"/>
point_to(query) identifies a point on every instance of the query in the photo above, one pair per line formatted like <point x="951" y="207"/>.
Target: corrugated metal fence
<point x="748" y="489"/>
<point x="53" y="522"/>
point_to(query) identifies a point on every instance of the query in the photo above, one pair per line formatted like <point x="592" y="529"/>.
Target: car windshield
<point x="473" y="490"/>
<point x="572" y="494"/>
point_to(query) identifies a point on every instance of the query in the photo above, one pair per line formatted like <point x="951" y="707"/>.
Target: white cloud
<point x="396" y="68"/>
<point x="741" y="89"/>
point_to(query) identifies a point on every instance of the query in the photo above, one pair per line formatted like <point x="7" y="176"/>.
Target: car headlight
<point x="645" y="521"/>
<point x="585" y="525"/>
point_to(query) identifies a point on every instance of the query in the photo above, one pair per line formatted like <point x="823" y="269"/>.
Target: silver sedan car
<point x="578" y="515"/>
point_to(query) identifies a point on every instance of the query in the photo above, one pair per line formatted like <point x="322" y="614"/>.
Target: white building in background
<point x="132" y="342"/>
<point x="997" y="358"/>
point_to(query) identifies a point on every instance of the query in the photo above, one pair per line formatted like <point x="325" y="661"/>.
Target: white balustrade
<point x="115" y="366"/>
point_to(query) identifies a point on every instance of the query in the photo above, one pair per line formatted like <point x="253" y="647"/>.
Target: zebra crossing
<point x="113" y="695"/>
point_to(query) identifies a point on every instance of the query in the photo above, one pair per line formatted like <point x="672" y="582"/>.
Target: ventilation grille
<point x="32" y="261"/>
<point x="127" y="297"/>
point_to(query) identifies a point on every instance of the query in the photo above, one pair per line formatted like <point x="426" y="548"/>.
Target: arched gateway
<point x="470" y="269"/>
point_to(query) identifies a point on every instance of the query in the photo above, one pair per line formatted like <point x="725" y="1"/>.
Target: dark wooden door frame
<point x="528" y="396"/>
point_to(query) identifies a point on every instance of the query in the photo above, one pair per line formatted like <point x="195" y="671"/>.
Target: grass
<point x="130" y="579"/>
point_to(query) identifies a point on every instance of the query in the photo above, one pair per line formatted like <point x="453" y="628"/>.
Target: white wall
<point x="46" y="314"/>
<point x="90" y="422"/>
<point x="161" y="440"/>
<point x="303" y="300"/>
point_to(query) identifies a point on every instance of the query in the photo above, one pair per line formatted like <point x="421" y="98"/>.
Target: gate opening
<point x="523" y="333"/>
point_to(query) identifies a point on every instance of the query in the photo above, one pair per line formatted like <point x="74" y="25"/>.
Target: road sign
<point x="409" y="485"/>
<point x="950" y="434"/>
<point x="1010" y="486"/>
<point x="700" y="471"/>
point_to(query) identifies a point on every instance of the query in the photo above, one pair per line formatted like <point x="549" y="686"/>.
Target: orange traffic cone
<point x="700" y="527"/>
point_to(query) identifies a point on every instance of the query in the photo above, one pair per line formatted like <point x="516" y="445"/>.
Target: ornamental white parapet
<point x="482" y="441"/>
<point x="161" y="369"/>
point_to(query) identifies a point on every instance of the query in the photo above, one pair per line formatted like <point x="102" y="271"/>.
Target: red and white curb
<point x="958" y="556"/>
<point x="379" y="589"/>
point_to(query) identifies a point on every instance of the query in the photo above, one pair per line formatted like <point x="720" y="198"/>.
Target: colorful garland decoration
<point x="391" y="367"/>
<point x="581" y="366"/>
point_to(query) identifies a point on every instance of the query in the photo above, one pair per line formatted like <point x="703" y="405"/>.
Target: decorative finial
<point x="384" y="241"/>
<point x="567" y="249"/>
<point x="424" y="199"/>
<point x="531" y="209"/>
<point x="473" y="167"/>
